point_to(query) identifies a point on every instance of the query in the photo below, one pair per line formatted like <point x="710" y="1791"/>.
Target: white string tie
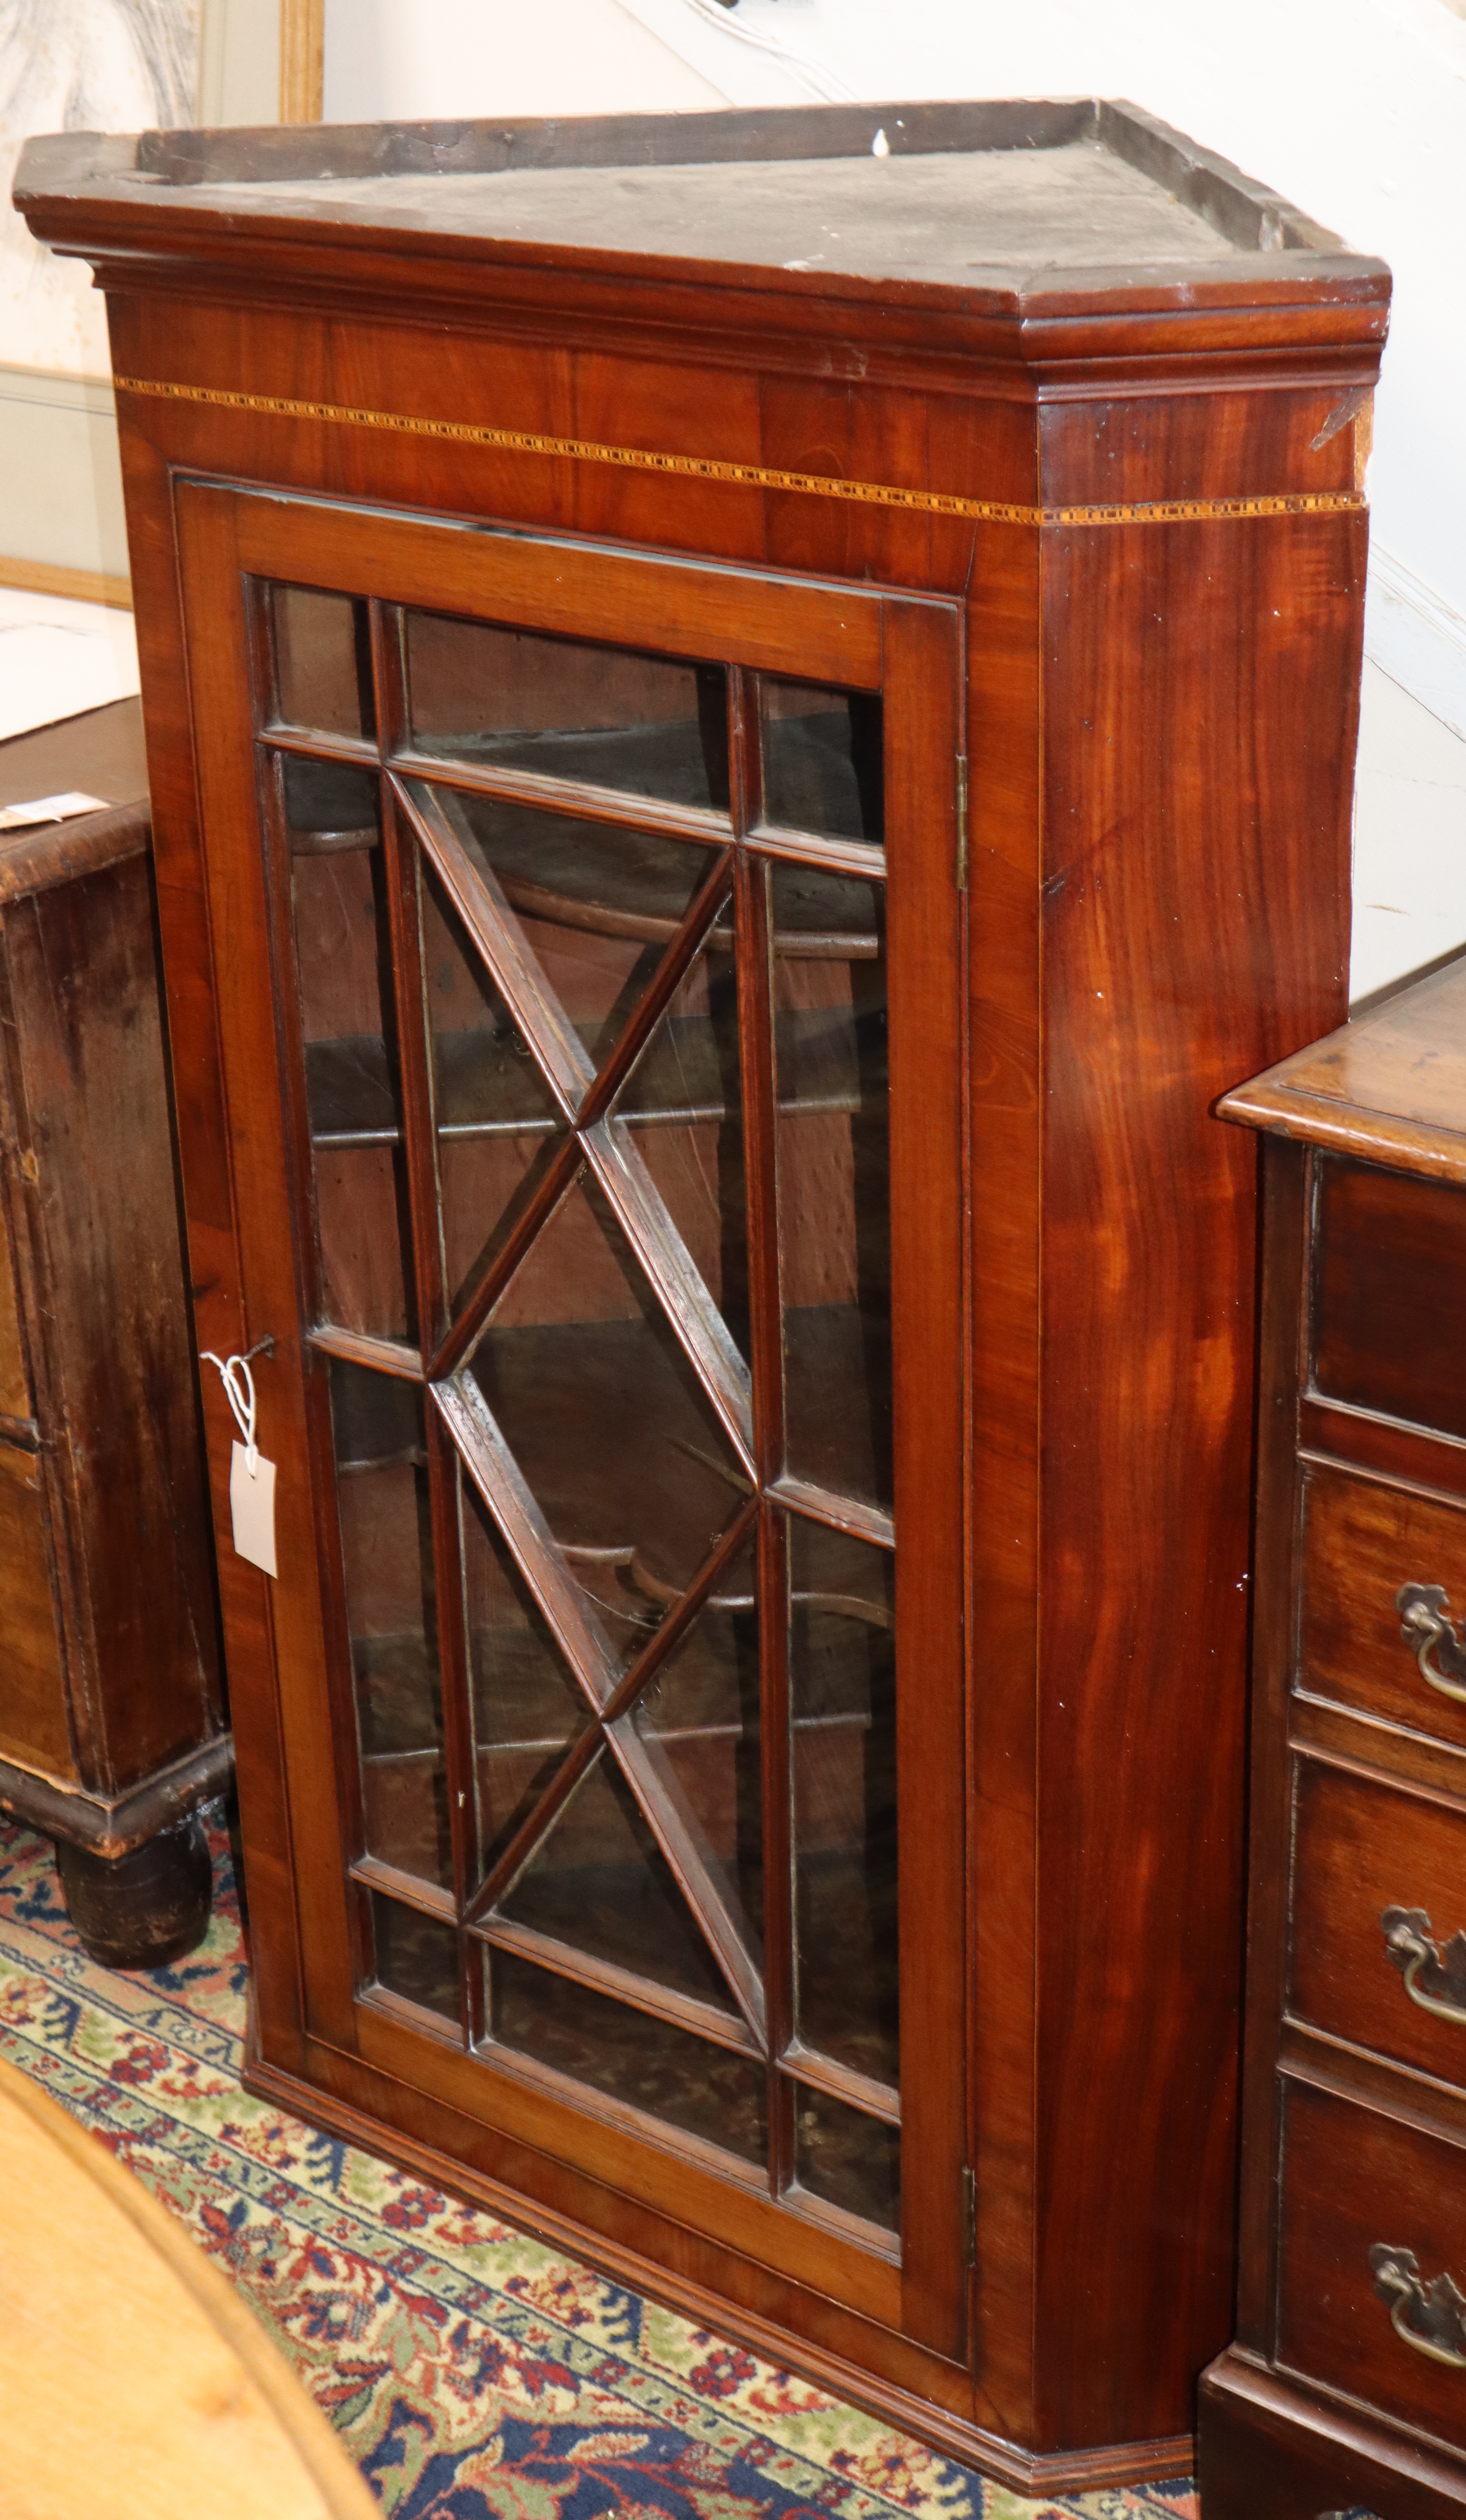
<point x="238" y="1391"/>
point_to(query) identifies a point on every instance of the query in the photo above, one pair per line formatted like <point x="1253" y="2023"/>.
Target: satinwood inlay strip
<point x="757" y="477"/>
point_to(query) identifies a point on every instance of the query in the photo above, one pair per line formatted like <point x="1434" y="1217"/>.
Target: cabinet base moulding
<point x="114" y="1828"/>
<point x="1003" y="2462"/>
<point x="1271" y="2449"/>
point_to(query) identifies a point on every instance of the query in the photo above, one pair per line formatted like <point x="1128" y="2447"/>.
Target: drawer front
<point x="33" y="1729"/>
<point x="1366" y="1851"/>
<point x="1361" y="1542"/>
<point x="1389" y="1281"/>
<point x="1373" y="2217"/>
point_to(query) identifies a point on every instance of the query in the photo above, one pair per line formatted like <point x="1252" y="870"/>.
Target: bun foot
<point x="143" y="1910"/>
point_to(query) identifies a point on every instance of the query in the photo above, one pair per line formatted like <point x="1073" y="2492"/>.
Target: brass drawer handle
<point x="1434" y="1979"/>
<point x="1428" y="2317"/>
<point x="1424" y="1624"/>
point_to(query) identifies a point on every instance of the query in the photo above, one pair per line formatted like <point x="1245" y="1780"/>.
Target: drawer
<point x="1361" y="1540"/>
<point x="1362" y="2195"/>
<point x="1365" y="1850"/>
<point x="1389" y="1286"/>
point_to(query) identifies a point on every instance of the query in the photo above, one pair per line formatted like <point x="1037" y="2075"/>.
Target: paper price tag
<point x="252" y="1478"/>
<point x="252" y="1503"/>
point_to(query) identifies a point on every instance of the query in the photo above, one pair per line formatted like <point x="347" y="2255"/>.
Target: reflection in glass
<point x="606" y="1420"/>
<point x="568" y="709"/>
<point x="323" y="661"/>
<point x="822" y="762"/>
<point x="698" y="1717"/>
<point x="496" y="1119"/>
<point x="392" y="1617"/>
<point x="835" y="1206"/>
<point x="417" y="1955"/>
<point x="353" y="1099"/>
<point x="848" y="2158"/>
<point x="683" y="1103"/>
<point x="842" y="1693"/>
<point x="593" y="908"/>
<point x="599" y="1881"/>
<point x="708" y="2091"/>
<point x="527" y="1709"/>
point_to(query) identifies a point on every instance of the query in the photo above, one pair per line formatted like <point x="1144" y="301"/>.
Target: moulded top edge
<point x="1008" y="197"/>
<point x="1390" y="1086"/>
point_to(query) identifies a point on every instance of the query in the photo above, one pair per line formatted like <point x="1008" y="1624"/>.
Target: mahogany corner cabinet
<point x="749" y="717"/>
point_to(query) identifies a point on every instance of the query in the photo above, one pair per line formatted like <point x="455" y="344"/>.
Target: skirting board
<point x="59" y="453"/>
<point x="1415" y="638"/>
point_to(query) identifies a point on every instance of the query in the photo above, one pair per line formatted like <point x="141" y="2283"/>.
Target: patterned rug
<point x="472" y="2373"/>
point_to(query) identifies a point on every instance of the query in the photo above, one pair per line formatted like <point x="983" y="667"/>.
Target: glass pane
<point x="834" y="1188"/>
<point x="391" y="1615"/>
<point x="699" y="1717"/>
<point x="848" y="2158"/>
<point x="599" y="1881"/>
<point x="822" y="767"/>
<point x="514" y="699"/>
<point x="842" y="1693"/>
<point x="606" y="1420"/>
<point x="343" y="973"/>
<point x="684" y="1102"/>
<point x="323" y="661"/>
<point x="496" y="1121"/>
<point x="526" y="1707"/>
<point x="708" y="2091"/>
<point x="593" y="908"/>
<point x="416" y="1956"/>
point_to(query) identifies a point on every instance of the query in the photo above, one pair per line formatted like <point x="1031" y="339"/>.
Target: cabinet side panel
<point x="1200" y="702"/>
<point x="85" y="985"/>
<point x="209" y="1201"/>
<point x="1274" y="1621"/>
<point x="1004" y="836"/>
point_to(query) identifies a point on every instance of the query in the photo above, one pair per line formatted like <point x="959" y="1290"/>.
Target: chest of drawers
<point x="113" y="1729"/>
<point x="1346" y="2388"/>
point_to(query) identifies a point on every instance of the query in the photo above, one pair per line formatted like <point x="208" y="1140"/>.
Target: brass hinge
<point x="969" y="2219"/>
<point x="961" y="868"/>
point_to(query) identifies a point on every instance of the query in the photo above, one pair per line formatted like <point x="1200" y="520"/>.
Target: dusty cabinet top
<point x="993" y="205"/>
<point x="1390" y="1087"/>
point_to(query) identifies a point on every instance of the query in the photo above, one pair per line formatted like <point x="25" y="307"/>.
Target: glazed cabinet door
<point x="586" y="928"/>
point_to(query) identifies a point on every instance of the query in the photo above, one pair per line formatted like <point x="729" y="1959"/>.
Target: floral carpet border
<point x="473" y="2373"/>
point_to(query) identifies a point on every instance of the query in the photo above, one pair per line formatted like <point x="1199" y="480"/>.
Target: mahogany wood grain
<point x="1363" y="1847"/>
<point x="1361" y="1439"/>
<point x="1387" y="1088"/>
<point x="1384" y="1248"/>
<point x="1156" y="871"/>
<point x="1271" y="2449"/>
<point x="1281" y="1329"/>
<point x="1353" y="2178"/>
<point x="1355" y="2115"/>
<point x="1361" y="1540"/>
<point x="1163" y="976"/>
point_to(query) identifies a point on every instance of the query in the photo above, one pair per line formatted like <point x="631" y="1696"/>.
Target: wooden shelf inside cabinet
<point x="698" y="987"/>
<point x="1342" y="2385"/>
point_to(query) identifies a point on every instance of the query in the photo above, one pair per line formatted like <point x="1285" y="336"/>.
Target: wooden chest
<point x="111" y="1725"/>
<point x="1347" y="2385"/>
<point x="749" y="718"/>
